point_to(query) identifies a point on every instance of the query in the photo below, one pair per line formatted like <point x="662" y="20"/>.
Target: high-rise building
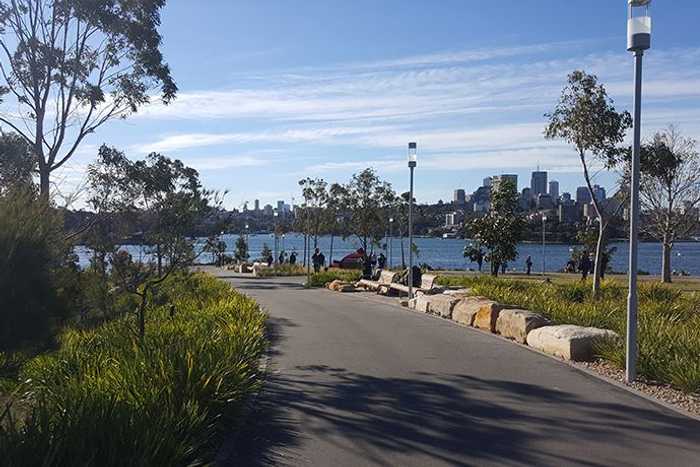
<point x="280" y="207"/>
<point x="583" y="196"/>
<point x="544" y="201"/>
<point x="554" y="190"/>
<point x="498" y="179"/>
<point x="257" y="205"/>
<point x="538" y="183"/>
<point x="566" y="197"/>
<point x="599" y="192"/>
<point x="460" y="198"/>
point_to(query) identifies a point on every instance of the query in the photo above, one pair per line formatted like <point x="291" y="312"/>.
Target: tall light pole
<point x="412" y="156"/>
<point x="274" y="233"/>
<point x="391" y="245"/>
<point x="638" y="40"/>
<point x="544" y="225"/>
<point x="247" y="239"/>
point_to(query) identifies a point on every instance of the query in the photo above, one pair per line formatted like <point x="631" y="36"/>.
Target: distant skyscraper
<point x="498" y="179"/>
<point x="538" y="183"/>
<point x="566" y="197"/>
<point x="554" y="190"/>
<point x="280" y="207"/>
<point x="487" y="181"/>
<point x="599" y="192"/>
<point x="582" y="195"/>
<point x="257" y="205"/>
<point x="460" y="197"/>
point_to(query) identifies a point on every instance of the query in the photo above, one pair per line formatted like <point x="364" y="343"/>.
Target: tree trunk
<point x="305" y="241"/>
<point x="44" y="185"/>
<point x="598" y="261"/>
<point x="159" y="257"/>
<point x="330" y="254"/>
<point x="666" y="260"/>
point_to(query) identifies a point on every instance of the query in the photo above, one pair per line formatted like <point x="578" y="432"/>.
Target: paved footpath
<point x="356" y="380"/>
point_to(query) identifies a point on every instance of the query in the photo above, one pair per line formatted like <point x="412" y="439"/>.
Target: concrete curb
<point x="570" y="364"/>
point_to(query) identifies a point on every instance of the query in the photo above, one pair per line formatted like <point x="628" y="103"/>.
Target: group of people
<point x="282" y="258"/>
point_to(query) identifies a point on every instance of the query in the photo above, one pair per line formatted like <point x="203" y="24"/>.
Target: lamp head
<point x="412" y="154"/>
<point x="638" y="26"/>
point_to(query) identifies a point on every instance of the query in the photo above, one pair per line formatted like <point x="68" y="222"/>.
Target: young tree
<point x="315" y="194"/>
<point x="365" y="202"/>
<point x="241" y="254"/>
<point x="72" y="65"/>
<point x="166" y="200"/>
<point x="266" y="252"/>
<point x="586" y="118"/>
<point x="500" y="230"/>
<point x="217" y="248"/>
<point x="670" y="190"/>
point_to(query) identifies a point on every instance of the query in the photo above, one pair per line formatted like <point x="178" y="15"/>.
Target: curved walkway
<point x="355" y="380"/>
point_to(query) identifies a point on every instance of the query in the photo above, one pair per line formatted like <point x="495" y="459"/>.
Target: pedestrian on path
<point x="528" y="265"/>
<point x="584" y="265"/>
<point x="317" y="260"/>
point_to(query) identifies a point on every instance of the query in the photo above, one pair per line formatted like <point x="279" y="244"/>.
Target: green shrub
<point x="38" y="277"/>
<point x="669" y="320"/>
<point x="320" y="279"/>
<point x="283" y="270"/>
<point x="109" y="398"/>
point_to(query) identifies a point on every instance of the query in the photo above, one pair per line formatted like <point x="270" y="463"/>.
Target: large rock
<point x="568" y="341"/>
<point x="461" y="293"/>
<point x="340" y="286"/>
<point x="423" y="303"/>
<point x="487" y="316"/>
<point x="442" y="305"/>
<point x="516" y="324"/>
<point x="466" y="309"/>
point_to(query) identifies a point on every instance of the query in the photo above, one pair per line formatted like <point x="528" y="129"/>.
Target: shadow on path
<point x="455" y="418"/>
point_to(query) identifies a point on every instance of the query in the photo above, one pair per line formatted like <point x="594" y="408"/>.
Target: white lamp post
<point x="247" y="239"/>
<point x="544" y="224"/>
<point x="391" y="246"/>
<point x="274" y="233"/>
<point x="638" y="40"/>
<point x="412" y="158"/>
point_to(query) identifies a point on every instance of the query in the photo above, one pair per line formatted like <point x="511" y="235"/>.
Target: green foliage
<point x="321" y="278"/>
<point x="265" y="253"/>
<point x="669" y="322"/>
<point x="499" y="231"/>
<point x="107" y="395"/>
<point x="38" y="279"/>
<point x="74" y="65"/>
<point x="241" y="253"/>
<point x="282" y="270"/>
<point x="17" y="163"/>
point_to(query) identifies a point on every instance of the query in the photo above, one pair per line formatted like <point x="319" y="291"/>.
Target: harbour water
<point x="448" y="253"/>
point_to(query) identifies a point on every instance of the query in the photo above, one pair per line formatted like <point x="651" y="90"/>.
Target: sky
<point x="274" y="91"/>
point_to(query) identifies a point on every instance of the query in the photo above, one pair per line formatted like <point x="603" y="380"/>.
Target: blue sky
<point x="273" y="91"/>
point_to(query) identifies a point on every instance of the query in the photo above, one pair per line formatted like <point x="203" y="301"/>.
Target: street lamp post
<point x="638" y="40"/>
<point x="412" y="156"/>
<point x="247" y="240"/>
<point x="544" y="225"/>
<point x="274" y="233"/>
<point x="391" y="245"/>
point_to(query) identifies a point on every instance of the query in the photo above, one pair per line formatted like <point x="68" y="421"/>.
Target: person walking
<point x="479" y="259"/>
<point x="381" y="261"/>
<point x="293" y="258"/>
<point x="584" y="265"/>
<point x="316" y="260"/>
<point x="282" y="257"/>
<point x="528" y="265"/>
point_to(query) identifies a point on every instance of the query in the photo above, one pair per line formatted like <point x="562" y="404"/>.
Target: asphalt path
<point x="356" y="380"/>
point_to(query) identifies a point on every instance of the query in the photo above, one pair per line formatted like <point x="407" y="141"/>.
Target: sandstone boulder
<point x="466" y="309"/>
<point x="412" y="303"/>
<point x="516" y="324"/>
<point x="461" y="293"/>
<point x="568" y="341"/>
<point x="442" y="305"/>
<point x="487" y="316"/>
<point x="340" y="286"/>
<point x="423" y="303"/>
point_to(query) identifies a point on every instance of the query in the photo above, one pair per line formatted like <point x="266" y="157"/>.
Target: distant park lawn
<point x="669" y="316"/>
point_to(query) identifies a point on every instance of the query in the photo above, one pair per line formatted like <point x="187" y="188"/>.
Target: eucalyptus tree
<point x="365" y="201"/>
<point x="166" y="200"/>
<point x="69" y="66"/>
<point x="17" y="164"/>
<point x="501" y="228"/>
<point x="586" y="118"/>
<point x="670" y="190"/>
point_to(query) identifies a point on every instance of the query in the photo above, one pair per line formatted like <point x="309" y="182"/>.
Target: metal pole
<point x="631" y="347"/>
<point x="410" y="237"/>
<point x="544" y="224"/>
<point x="391" y="246"/>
